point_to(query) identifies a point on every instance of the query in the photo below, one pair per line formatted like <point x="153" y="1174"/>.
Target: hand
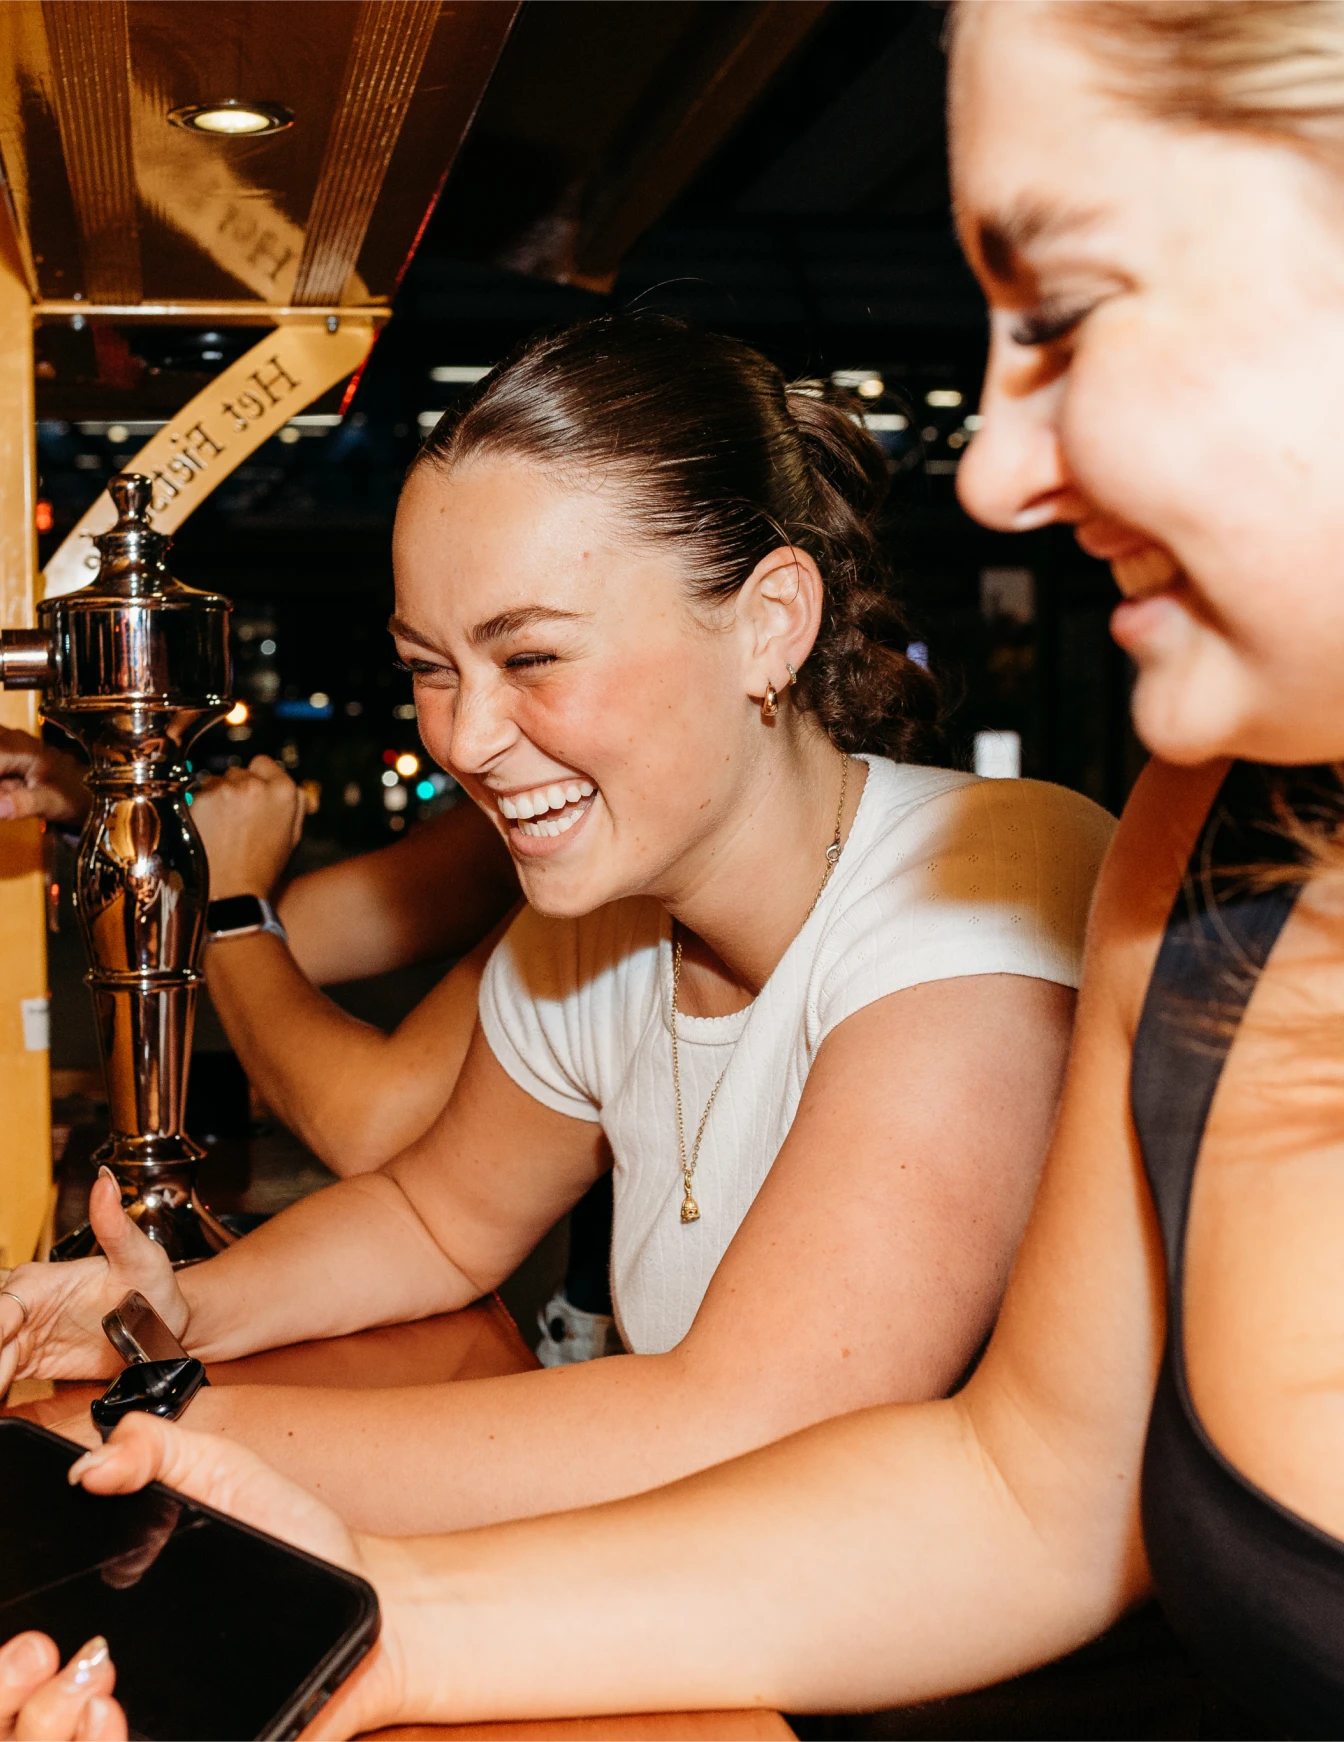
<point x="250" y="820"/>
<point x="37" y="1704"/>
<point x="37" y="781"/>
<point x="62" y="1336"/>
<point x="225" y="1475"/>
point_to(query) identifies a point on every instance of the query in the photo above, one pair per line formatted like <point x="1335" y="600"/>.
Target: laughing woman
<point x="810" y="999"/>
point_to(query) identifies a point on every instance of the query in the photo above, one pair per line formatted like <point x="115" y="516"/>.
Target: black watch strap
<point x="154" y="1387"/>
<point x="236" y="916"/>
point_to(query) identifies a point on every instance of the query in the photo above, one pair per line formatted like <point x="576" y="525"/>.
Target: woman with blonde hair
<point x="1151" y="195"/>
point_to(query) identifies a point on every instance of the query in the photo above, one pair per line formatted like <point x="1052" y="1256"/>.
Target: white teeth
<point x="551" y="825"/>
<point x="523" y="807"/>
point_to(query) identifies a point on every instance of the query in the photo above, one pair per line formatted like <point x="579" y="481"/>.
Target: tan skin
<point x="892" y="1271"/>
<point x="950" y="1544"/>
<point x="356" y="1096"/>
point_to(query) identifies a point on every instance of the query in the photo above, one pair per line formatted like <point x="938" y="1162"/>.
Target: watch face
<point x="235" y="913"/>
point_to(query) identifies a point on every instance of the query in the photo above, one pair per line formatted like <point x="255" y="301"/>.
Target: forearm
<point x="341" y="1086"/>
<point x="876" y="1560"/>
<point x="348" y="1257"/>
<point x="435" y="893"/>
<point x="453" y="1456"/>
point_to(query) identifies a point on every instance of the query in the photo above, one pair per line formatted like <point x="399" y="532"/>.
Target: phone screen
<point x="217" y="1631"/>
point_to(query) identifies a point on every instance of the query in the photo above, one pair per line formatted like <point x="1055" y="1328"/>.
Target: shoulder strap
<point x="1218" y="939"/>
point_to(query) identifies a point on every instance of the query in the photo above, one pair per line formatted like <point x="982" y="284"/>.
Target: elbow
<point x="349" y="1141"/>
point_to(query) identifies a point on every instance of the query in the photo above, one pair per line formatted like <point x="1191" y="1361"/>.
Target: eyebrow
<point x="1003" y="240"/>
<point x="494" y="628"/>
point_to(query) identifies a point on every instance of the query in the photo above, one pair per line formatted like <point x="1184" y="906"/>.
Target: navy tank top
<point x="1252" y="1589"/>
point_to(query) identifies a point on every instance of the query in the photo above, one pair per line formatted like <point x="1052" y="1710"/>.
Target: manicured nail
<point x="21" y="1661"/>
<point x="90" y="1461"/>
<point x="87" y="1664"/>
<point x="105" y="1172"/>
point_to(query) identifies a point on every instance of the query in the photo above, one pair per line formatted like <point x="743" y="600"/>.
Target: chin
<point x="1179" y="725"/>
<point x="564" y="896"/>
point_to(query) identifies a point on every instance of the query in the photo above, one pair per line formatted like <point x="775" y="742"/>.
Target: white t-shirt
<point x="942" y="875"/>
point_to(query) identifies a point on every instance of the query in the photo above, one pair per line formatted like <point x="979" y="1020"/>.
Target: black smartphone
<point x="218" y="1631"/>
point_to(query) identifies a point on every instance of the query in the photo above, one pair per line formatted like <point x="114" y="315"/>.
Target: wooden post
<point x="25" y="1093"/>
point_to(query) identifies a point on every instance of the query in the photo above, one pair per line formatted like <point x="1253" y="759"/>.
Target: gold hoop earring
<point x="769" y="702"/>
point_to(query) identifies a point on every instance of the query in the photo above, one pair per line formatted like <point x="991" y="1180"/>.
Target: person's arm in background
<point x="355" y="1096"/>
<point x="39" y="781"/>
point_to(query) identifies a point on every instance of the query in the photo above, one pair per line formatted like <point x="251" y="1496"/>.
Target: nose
<point x="1013" y="476"/>
<point x="480" y="727"/>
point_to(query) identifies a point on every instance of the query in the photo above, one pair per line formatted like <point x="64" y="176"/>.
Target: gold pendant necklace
<point x="690" y="1210"/>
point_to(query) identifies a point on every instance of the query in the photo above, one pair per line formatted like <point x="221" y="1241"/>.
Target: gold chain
<point x="690" y="1210"/>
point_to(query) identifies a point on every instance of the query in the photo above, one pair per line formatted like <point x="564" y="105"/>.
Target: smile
<point x="547" y="810"/>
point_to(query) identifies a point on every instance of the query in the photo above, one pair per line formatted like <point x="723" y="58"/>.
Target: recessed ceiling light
<point x="232" y="117"/>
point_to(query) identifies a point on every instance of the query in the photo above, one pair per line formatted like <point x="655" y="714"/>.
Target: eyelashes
<point x="1048" y="325"/>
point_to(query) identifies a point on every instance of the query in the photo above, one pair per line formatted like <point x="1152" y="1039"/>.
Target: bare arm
<point x="888" y="1225"/>
<point x="366" y="1251"/>
<point x="354" y="1095"/>
<point x="436" y="892"/>
<point x="437" y="1228"/>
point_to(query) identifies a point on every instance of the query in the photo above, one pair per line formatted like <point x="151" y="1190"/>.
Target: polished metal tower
<point x="135" y="666"/>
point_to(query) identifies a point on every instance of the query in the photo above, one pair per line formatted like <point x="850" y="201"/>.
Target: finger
<point x="145" y="1448"/>
<point x="26" y="1662"/>
<point x="55" y="1711"/>
<point x="17" y="802"/>
<point x="266" y="768"/>
<point x="103" y="1721"/>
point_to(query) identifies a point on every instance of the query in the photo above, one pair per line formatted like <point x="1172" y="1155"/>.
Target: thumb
<point x="127" y="1250"/>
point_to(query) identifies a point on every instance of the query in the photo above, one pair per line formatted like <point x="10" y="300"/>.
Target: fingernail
<point x="21" y="1661"/>
<point x="6" y="809"/>
<point x="105" y="1172"/>
<point x="80" y="1672"/>
<point x="90" y="1461"/>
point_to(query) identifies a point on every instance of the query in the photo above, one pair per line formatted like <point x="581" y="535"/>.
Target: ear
<point x="777" y="617"/>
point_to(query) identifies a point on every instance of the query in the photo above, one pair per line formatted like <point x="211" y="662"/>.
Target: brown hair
<point x="721" y="457"/>
<point x="1271" y="67"/>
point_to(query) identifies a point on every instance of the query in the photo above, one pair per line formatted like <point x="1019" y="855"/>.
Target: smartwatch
<point x="160" y="1377"/>
<point x="238" y="916"/>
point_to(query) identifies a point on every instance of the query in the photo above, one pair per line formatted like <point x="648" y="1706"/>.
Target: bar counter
<point x="480" y="1342"/>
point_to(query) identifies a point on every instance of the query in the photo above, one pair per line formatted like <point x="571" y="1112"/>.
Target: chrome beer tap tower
<point x="135" y="666"/>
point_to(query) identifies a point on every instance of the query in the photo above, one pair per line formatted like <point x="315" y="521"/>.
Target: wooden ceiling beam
<point x="703" y="100"/>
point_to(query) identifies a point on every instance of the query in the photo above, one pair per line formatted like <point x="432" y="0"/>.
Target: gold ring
<point x="23" y="1304"/>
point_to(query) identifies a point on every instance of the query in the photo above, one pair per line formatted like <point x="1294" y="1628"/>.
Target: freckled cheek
<point x="624" y="715"/>
<point x="1137" y="442"/>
